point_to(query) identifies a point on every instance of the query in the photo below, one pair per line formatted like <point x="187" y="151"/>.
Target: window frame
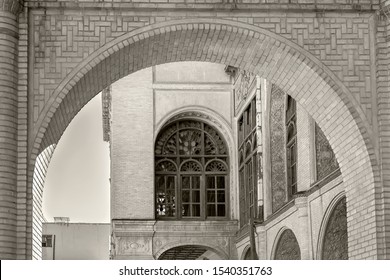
<point x="204" y="160"/>
<point x="291" y="141"/>
<point x="248" y="193"/>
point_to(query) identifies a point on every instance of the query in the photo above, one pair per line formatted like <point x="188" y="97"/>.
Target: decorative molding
<point x="134" y="245"/>
<point x="106" y="113"/>
<point x="242" y="88"/>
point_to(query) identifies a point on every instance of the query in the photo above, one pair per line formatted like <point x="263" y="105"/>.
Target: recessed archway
<point x="188" y="252"/>
<point x="333" y="238"/>
<point x="270" y="56"/>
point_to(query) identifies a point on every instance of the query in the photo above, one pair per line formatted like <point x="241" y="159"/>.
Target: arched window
<point x="191" y="172"/>
<point x="291" y="146"/>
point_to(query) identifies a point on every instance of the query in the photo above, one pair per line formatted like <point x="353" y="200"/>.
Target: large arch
<point x="293" y="69"/>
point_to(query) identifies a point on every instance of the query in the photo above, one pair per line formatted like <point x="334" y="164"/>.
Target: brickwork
<point x="131" y="149"/>
<point x="315" y="87"/>
<point x="383" y="60"/>
<point x="63" y="40"/>
<point x="8" y="132"/>
<point x="25" y="171"/>
<point x="323" y="59"/>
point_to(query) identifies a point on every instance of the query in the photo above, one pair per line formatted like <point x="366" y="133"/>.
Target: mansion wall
<point x="141" y="104"/>
<point x="289" y="200"/>
<point x="305" y="212"/>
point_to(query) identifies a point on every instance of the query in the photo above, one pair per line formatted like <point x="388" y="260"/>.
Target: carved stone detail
<point x="242" y="87"/>
<point x="134" y="245"/>
<point x="278" y="148"/>
<point x="326" y="161"/>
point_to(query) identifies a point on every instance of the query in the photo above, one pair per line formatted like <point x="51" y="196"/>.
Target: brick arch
<point x="282" y="62"/>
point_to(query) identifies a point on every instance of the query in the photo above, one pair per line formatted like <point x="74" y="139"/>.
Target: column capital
<point x="11" y="6"/>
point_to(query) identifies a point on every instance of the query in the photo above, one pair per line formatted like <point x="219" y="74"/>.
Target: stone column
<point x="9" y="10"/>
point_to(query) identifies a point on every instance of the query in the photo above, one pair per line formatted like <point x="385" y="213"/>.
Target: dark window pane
<point x="211" y="210"/>
<point x="221" y="196"/>
<point x="210" y="196"/>
<point x="210" y="182"/>
<point x="195" y="182"/>
<point x="196" y="210"/>
<point x="160" y="184"/>
<point x="171" y="182"/>
<point x="220" y="210"/>
<point x="186" y="210"/>
<point x="195" y="196"/>
<point x="292" y="154"/>
<point x="170" y="212"/>
<point x="220" y="182"/>
<point x="293" y="174"/>
<point x="185" y="196"/>
<point x="185" y="182"/>
<point x="170" y="196"/>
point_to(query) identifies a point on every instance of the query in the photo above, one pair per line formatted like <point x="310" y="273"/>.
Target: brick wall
<point x="8" y="132"/>
<point x="322" y="59"/>
<point x="132" y="147"/>
<point x="383" y="59"/>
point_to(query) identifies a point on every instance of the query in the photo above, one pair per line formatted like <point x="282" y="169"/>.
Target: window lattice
<point x="216" y="166"/>
<point x="190" y="166"/>
<point x="166" y="166"/>
<point x="198" y="189"/>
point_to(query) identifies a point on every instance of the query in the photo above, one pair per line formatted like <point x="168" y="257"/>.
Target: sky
<point x="77" y="183"/>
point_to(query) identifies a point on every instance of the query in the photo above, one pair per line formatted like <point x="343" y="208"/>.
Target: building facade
<point x="331" y="57"/>
<point x="201" y="153"/>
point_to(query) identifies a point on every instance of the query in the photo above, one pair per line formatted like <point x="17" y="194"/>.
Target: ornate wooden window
<point x="247" y="150"/>
<point x="291" y="146"/>
<point x="191" y="172"/>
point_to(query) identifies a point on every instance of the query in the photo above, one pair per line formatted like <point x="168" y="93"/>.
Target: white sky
<point x="77" y="183"/>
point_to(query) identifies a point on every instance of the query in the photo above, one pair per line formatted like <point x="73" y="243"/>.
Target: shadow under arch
<point x="242" y="45"/>
<point x="278" y="238"/>
<point x="325" y="222"/>
<point x="208" y="247"/>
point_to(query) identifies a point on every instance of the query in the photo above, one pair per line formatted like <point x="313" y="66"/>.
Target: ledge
<point x="219" y="5"/>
